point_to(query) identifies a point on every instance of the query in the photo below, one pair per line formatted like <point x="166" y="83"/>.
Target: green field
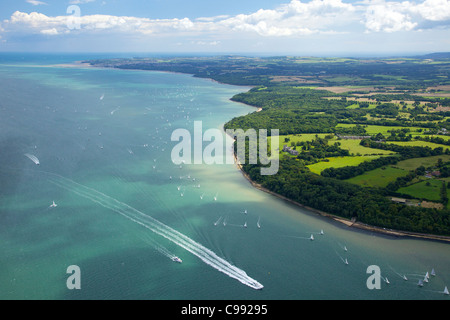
<point x="354" y="147"/>
<point x="422" y="191"/>
<point x="379" y="177"/>
<point x="413" y="164"/>
<point x="419" y="144"/>
<point x="373" y="130"/>
<point x="299" y="138"/>
<point x="340" y="162"/>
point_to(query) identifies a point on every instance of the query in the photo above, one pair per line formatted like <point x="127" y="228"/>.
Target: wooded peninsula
<point x="365" y="139"/>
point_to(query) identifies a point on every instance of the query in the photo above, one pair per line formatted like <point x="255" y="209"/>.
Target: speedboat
<point x="176" y="259"/>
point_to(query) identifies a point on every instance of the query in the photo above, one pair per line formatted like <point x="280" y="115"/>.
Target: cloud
<point x="36" y="3"/>
<point x="293" y="19"/>
<point x="406" y="15"/>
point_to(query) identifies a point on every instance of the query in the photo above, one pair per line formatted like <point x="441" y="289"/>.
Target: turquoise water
<point x="103" y="141"/>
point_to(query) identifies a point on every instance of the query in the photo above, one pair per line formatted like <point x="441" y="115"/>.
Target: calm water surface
<point x="103" y="141"/>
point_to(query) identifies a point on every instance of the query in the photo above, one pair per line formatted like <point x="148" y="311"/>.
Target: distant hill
<point x="436" y="56"/>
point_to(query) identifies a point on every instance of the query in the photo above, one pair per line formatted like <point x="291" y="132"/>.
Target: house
<point x="353" y="137"/>
<point x="399" y="200"/>
<point x="436" y="173"/>
<point x="290" y="151"/>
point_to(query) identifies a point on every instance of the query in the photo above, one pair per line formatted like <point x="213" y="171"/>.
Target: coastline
<point x="343" y="221"/>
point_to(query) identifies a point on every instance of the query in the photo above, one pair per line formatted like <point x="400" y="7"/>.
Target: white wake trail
<point x="33" y="158"/>
<point x="203" y="253"/>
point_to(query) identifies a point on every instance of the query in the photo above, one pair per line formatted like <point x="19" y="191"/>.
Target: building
<point x="290" y="151"/>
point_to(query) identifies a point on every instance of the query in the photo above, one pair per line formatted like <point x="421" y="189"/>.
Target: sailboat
<point x="420" y="284"/>
<point x="405" y="278"/>
<point x="427" y="276"/>
<point x="387" y="281"/>
<point x="345" y="249"/>
<point x="245" y="225"/>
<point x="446" y="291"/>
<point x="433" y="273"/>
<point x="258" y="223"/>
<point x="321" y="232"/>
<point x="312" y="238"/>
<point x="53" y="205"/>
<point x="346" y="261"/>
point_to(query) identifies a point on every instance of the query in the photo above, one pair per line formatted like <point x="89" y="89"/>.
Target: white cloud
<point x="293" y="19"/>
<point x="389" y="17"/>
<point x="36" y="3"/>
<point x="50" y="32"/>
<point x="406" y="15"/>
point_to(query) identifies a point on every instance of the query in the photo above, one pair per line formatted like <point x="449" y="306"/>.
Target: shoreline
<point x="343" y="221"/>
<point x="349" y="223"/>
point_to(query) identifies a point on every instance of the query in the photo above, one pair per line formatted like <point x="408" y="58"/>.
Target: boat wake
<point x="33" y="158"/>
<point x="160" y="248"/>
<point x="203" y="253"/>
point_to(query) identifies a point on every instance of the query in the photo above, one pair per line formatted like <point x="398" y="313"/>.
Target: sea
<point x="87" y="180"/>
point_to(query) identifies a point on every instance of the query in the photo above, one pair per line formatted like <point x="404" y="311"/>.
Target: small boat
<point x="446" y="291"/>
<point x="387" y="281"/>
<point x="433" y="273"/>
<point x="405" y="278"/>
<point x="245" y="225"/>
<point x="345" y="249"/>
<point x="176" y="259"/>
<point x="346" y="261"/>
<point x="54" y="205"/>
<point x="420" y="284"/>
<point x="321" y="232"/>
<point x="258" y="223"/>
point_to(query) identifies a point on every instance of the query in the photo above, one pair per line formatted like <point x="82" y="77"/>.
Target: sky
<point x="286" y="27"/>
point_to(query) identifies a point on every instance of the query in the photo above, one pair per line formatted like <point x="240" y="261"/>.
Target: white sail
<point x="446" y="291"/>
